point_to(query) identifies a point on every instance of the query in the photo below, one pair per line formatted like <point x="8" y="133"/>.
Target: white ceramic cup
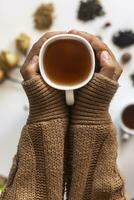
<point x="126" y="130"/>
<point x="69" y="90"/>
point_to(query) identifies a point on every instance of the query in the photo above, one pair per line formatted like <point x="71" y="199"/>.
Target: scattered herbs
<point x="43" y="16"/>
<point x="123" y="38"/>
<point x="106" y="25"/>
<point x="23" y="42"/>
<point x="89" y="10"/>
<point x="126" y="57"/>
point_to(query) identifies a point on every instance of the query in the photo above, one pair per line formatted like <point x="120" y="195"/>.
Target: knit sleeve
<point x="37" y="171"/>
<point x="92" y="171"/>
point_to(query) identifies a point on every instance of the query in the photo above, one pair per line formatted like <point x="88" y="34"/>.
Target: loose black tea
<point x="128" y="116"/>
<point x="90" y="9"/>
<point x="106" y="25"/>
<point x="123" y="38"/>
<point x="43" y="16"/>
<point x="125" y="58"/>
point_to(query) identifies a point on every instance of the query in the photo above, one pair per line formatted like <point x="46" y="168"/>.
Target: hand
<point x="92" y="101"/>
<point x="46" y="103"/>
<point x="30" y="67"/>
<point x="108" y="63"/>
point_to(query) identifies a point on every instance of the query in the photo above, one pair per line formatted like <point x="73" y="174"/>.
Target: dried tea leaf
<point x="123" y="38"/>
<point x="89" y="10"/>
<point x="107" y="25"/>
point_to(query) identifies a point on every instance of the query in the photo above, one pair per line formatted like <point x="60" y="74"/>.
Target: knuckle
<point x="47" y="34"/>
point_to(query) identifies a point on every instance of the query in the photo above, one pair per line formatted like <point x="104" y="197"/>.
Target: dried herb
<point x="126" y="57"/>
<point x="123" y="38"/>
<point x="90" y="9"/>
<point x="107" y="24"/>
<point x="23" y="42"/>
<point x="43" y="16"/>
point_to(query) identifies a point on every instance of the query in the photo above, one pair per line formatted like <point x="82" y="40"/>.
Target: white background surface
<point x="15" y="17"/>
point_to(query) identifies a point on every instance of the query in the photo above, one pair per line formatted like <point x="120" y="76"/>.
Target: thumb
<point x="107" y="64"/>
<point x="31" y="69"/>
<point x="33" y="64"/>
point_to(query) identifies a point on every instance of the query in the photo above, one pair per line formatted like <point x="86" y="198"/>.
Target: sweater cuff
<point x="93" y="100"/>
<point x="45" y="102"/>
<point x="100" y="90"/>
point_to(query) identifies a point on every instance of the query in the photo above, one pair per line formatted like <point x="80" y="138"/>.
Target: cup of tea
<point x="127" y="120"/>
<point x="67" y="62"/>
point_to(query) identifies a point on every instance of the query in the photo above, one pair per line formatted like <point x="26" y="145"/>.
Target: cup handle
<point x="69" y="97"/>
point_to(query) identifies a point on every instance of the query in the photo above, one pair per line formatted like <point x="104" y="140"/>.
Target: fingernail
<point x="105" y="55"/>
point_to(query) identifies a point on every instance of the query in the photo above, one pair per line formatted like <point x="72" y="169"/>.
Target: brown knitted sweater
<point x="91" y="172"/>
<point x="37" y="171"/>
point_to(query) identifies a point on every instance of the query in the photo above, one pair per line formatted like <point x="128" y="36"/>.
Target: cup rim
<point x="122" y="125"/>
<point x="41" y="64"/>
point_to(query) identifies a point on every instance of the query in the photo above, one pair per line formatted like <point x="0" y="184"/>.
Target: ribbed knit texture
<point x="92" y="172"/>
<point x="37" y="171"/>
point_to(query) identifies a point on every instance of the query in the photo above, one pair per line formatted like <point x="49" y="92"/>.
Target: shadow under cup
<point x="67" y="62"/>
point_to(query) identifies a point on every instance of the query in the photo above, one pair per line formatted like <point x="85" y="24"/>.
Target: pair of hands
<point x="92" y="101"/>
<point x="108" y="63"/>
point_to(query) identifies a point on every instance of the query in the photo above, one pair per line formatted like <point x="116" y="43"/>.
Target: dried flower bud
<point x="2" y="75"/>
<point x="43" y="16"/>
<point x="23" y="42"/>
<point x="8" y="59"/>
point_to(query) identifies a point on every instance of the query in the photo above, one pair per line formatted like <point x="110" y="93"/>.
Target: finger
<point x="96" y="43"/>
<point x="32" y="68"/>
<point x="110" y="67"/>
<point x="107" y="65"/>
<point x="37" y="46"/>
<point x="45" y="37"/>
<point x="117" y="73"/>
